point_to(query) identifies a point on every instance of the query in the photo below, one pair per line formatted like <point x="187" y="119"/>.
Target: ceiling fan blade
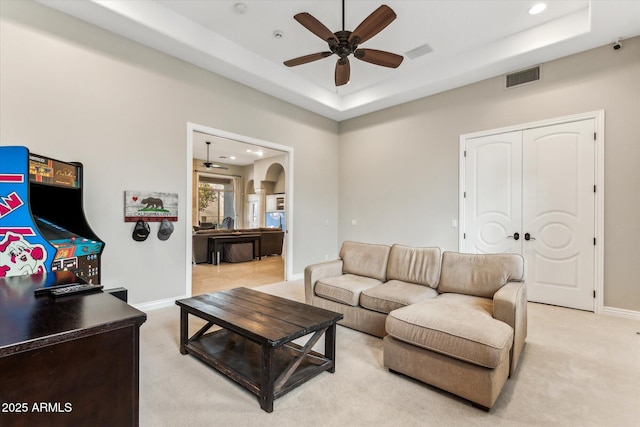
<point x="379" y="57"/>
<point x="343" y="71"/>
<point x="307" y="58"/>
<point x="373" y="24"/>
<point x="315" y="26"/>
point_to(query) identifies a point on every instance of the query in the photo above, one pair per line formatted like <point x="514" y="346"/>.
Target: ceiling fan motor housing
<point x="342" y="47"/>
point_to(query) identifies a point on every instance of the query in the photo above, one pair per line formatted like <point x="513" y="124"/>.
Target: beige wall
<point x="72" y="91"/>
<point x="399" y="167"/>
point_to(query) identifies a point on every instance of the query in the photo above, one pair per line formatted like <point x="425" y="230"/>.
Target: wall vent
<point x="522" y="77"/>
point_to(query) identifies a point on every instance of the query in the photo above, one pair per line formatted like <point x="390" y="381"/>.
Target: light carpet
<point x="577" y="369"/>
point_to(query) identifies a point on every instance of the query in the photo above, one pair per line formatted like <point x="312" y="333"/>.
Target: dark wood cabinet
<point x="67" y="361"/>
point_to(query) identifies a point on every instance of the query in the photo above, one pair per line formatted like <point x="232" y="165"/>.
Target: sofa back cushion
<point x="365" y="259"/>
<point x="479" y="274"/>
<point x="415" y="265"/>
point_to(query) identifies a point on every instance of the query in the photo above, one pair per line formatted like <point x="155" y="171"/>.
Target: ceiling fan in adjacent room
<point x="344" y="43"/>
<point x="210" y="165"/>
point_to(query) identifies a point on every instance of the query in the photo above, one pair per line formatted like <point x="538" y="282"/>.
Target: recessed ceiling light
<point x="537" y="8"/>
<point x="278" y="34"/>
<point x="240" y="8"/>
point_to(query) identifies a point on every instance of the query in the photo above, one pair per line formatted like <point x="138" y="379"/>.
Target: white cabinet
<point x="271" y="203"/>
<point x="275" y="202"/>
<point x="253" y="211"/>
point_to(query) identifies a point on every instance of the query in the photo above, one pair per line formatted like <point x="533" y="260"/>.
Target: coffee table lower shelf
<point x="247" y="363"/>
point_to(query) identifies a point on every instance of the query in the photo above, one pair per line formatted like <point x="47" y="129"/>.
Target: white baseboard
<point x="620" y="312"/>
<point x="154" y="305"/>
<point x="296" y="277"/>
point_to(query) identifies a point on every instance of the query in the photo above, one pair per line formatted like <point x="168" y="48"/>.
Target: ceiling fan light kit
<point x="344" y="43"/>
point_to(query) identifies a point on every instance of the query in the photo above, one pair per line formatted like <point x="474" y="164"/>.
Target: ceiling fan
<point x="344" y="43"/>
<point x="210" y="165"/>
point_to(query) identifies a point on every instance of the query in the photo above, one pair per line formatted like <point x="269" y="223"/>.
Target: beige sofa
<point x="456" y="321"/>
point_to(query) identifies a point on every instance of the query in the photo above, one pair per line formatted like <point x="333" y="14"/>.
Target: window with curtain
<point x="216" y="201"/>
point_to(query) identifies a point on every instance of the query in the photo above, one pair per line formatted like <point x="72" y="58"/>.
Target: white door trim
<point x="191" y="127"/>
<point x="598" y="117"/>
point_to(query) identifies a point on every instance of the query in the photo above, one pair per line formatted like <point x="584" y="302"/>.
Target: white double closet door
<point x="533" y="192"/>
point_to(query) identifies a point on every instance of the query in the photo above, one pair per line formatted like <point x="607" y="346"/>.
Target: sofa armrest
<point x="510" y="307"/>
<point x="315" y="272"/>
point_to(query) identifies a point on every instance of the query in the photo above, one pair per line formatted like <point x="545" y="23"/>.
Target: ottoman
<point x="454" y="344"/>
<point x="238" y="252"/>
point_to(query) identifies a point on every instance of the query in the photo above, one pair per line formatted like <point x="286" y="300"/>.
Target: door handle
<point x="527" y="236"/>
<point x="516" y="236"/>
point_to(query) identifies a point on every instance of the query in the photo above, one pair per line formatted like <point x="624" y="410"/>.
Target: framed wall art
<point x="150" y="206"/>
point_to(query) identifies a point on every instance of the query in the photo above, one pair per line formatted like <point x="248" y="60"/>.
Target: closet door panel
<point x="493" y="200"/>
<point x="559" y="213"/>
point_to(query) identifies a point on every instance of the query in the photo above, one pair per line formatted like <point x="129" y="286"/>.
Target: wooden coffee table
<point x="253" y="345"/>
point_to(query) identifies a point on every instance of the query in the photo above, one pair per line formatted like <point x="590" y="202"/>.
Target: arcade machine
<point x="43" y="228"/>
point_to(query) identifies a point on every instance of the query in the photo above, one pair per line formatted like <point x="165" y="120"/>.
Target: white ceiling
<point x="224" y="151"/>
<point x="470" y="40"/>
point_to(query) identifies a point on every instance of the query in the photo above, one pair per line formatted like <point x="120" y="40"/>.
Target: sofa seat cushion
<point x="395" y="294"/>
<point x="478" y="303"/>
<point x="456" y="329"/>
<point x="345" y="288"/>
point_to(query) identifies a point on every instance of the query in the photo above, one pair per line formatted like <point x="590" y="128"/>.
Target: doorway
<point x="286" y="159"/>
<point x="533" y="191"/>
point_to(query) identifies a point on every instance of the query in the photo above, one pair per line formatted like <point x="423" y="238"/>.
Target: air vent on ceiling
<point x="522" y="77"/>
<point x="419" y="51"/>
